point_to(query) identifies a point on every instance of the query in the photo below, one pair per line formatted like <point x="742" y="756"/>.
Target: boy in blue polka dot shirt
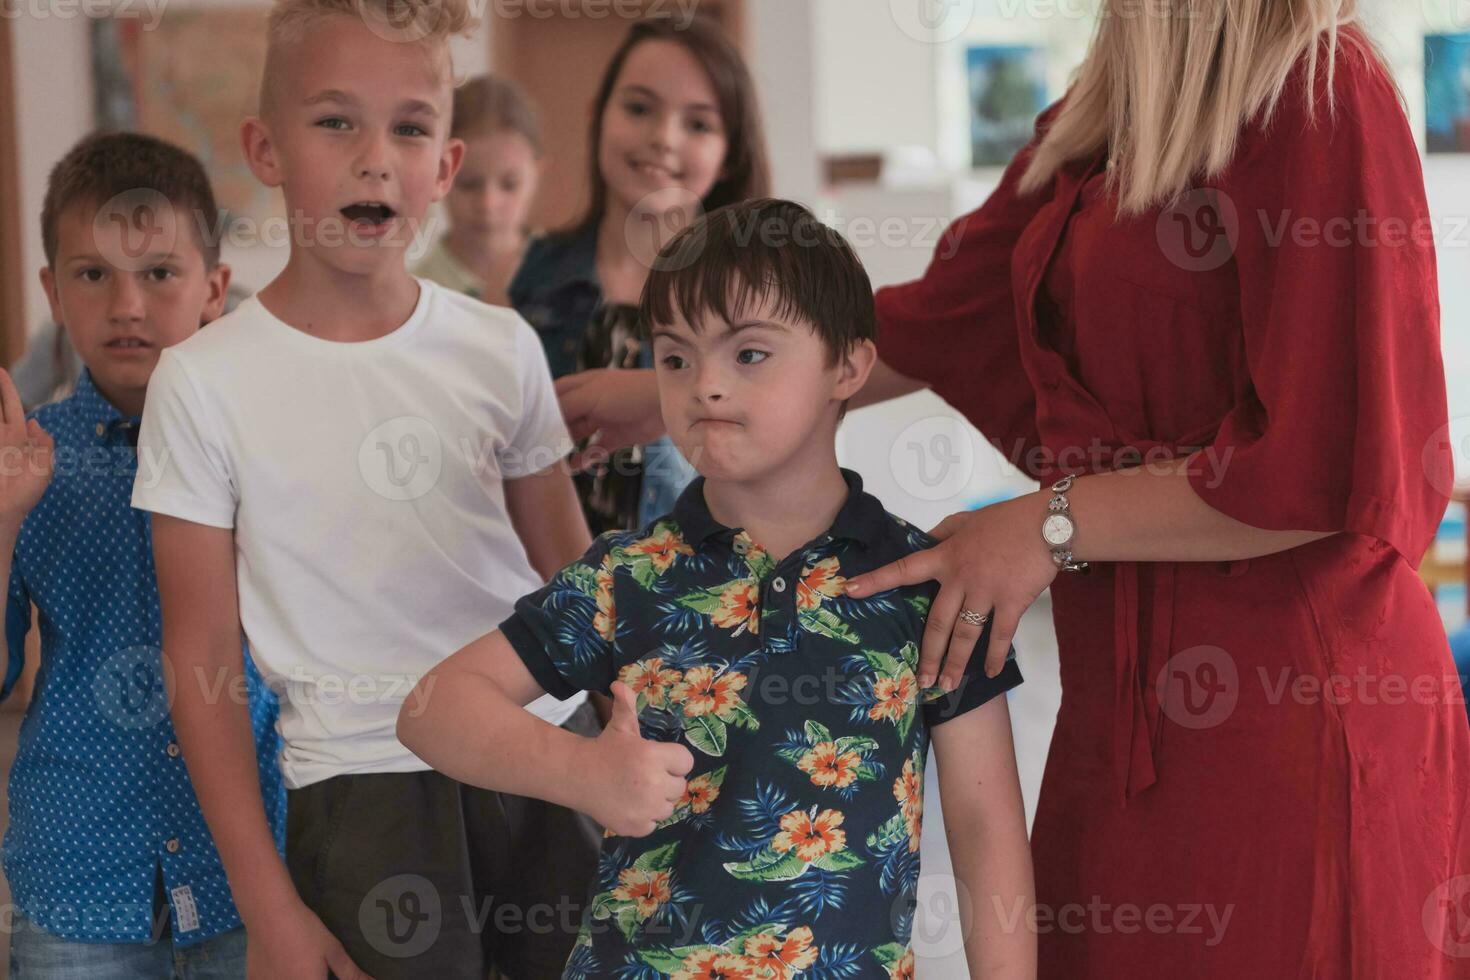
<point x="113" y="870"/>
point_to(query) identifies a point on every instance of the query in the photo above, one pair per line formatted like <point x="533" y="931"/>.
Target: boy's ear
<point x="260" y="151"/>
<point x="449" y="163"/>
<point x="218" y="281"/>
<point x="854" y="369"/>
<point x="53" y="299"/>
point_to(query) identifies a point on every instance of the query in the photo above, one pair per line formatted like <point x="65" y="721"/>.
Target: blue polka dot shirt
<point x="102" y="812"/>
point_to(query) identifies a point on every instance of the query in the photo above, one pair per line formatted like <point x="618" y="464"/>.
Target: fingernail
<point x="851" y="587"/>
<point x="926" y="680"/>
<point x="991" y="671"/>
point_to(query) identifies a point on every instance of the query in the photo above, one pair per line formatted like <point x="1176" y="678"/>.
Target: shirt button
<point x="101" y="428"/>
<point x="172" y="750"/>
<point x="740" y="547"/>
<point x="171" y="845"/>
<point x="779" y="584"/>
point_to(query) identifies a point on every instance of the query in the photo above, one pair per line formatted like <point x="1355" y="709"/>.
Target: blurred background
<point x="890" y="118"/>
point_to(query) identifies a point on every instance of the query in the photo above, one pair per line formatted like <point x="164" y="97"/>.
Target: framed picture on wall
<point x="1447" y="93"/>
<point x="1007" y="89"/>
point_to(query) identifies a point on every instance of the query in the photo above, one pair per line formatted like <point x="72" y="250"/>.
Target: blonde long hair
<point x="1167" y="86"/>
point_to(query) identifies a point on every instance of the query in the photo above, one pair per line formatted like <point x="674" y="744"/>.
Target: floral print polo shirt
<point x="795" y="849"/>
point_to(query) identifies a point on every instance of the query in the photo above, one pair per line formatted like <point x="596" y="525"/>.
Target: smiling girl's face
<point x="661" y="129"/>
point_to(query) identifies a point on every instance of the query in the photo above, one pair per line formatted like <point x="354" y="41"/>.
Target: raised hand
<point x="634" y="782"/>
<point x="26" y="452"/>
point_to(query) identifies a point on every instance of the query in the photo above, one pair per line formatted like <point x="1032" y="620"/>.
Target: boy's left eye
<point x="410" y="129"/>
<point x="744" y="357"/>
<point x="160" y="274"/>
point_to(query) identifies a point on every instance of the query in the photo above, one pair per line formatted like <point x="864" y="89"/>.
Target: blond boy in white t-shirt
<point x="360" y="469"/>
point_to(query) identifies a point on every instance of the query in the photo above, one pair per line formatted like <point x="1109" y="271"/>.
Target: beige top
<point x="440" y="265"/>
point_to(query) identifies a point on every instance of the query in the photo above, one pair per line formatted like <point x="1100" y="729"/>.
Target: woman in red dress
<point x="1207" y="290"/>
<point x="1259" y="769"/>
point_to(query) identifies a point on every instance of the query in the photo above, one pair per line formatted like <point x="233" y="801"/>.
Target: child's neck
<point x="619" y="269"/>
<point x="326" y="302"/>
<point x="128" y="401"/>
<point x="481" y="254"/>
<point x="782" y="510"/>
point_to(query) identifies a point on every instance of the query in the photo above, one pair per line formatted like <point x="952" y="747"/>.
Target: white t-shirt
<point x="363" y="482"/>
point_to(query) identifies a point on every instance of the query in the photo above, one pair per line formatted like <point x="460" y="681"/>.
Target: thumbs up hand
<point x="633" y="782"/>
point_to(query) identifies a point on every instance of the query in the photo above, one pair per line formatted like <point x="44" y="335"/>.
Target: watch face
<point x="1057" y="530"/>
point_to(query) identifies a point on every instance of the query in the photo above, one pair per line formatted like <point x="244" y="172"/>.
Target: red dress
<point x="1259" y="768"/>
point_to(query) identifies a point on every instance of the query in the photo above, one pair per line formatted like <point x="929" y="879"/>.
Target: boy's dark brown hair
<point x="746" y="172"/>
<point x="731" y="259"/>
<point x="489" y="104"/>
<point x="104" y="165"/>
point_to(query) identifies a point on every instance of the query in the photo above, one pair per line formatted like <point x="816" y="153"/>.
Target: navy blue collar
<point x="860" y="519"/>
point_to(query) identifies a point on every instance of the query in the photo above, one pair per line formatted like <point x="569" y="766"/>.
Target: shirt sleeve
<point x="974" y="688"/>
<point x="1344" y="426"/>
<point x="541" y="438"/>
<point x="564" y="632"/>
<point x="956" y="327"/>
<point x="183" y="469"/>
<point x="17" y="625"/>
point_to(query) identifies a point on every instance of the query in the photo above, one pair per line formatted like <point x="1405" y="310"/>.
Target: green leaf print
<point x="628" y="921"/>
<point x="890" y="834"/>
<point x="707" y="733"/>
<point x="919" y="604"/>
<point x="666" y="960"/>
<point x="853" y="743"/>
<point x="818" y="732"/>
<point x="744" y="717"/>
<point x="824" y="621"/>
<point x="644" y="573"/>
<point x="769" y="865"/>
<point x="886" y="663"/>
<point x="838" y="861"/>
<point x="582" y="577"/>
<point x="658" y="859"/>
<point x="888" y="954"/>
<point x="704" y="601"/>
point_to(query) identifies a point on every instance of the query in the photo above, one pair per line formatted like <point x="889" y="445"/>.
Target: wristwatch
<point x="1058" y="529"/>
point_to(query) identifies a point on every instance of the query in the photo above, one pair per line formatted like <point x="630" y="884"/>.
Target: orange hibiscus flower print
<point x="895" y="695"/>
<point x="819" y="582"/>
<point x="703" y="692"/>
<point x="699" y="793"/>
<point x="647" y="890"/>
<point x="783" y="957"/>
<point x="651" y="679"/>
<point x="663" y="546"/>
<point x="810" y="837"/>
<point x="717" y="964"/>
<point x="828" y="767"/>
<point x="908" y="789"/>
<point x="904" y="968"/>
<point x="605" y="619"/>
<point x="739" y="608"/>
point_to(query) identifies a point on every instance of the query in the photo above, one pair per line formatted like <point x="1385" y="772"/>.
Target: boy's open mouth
<point x="368" y="212"/>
